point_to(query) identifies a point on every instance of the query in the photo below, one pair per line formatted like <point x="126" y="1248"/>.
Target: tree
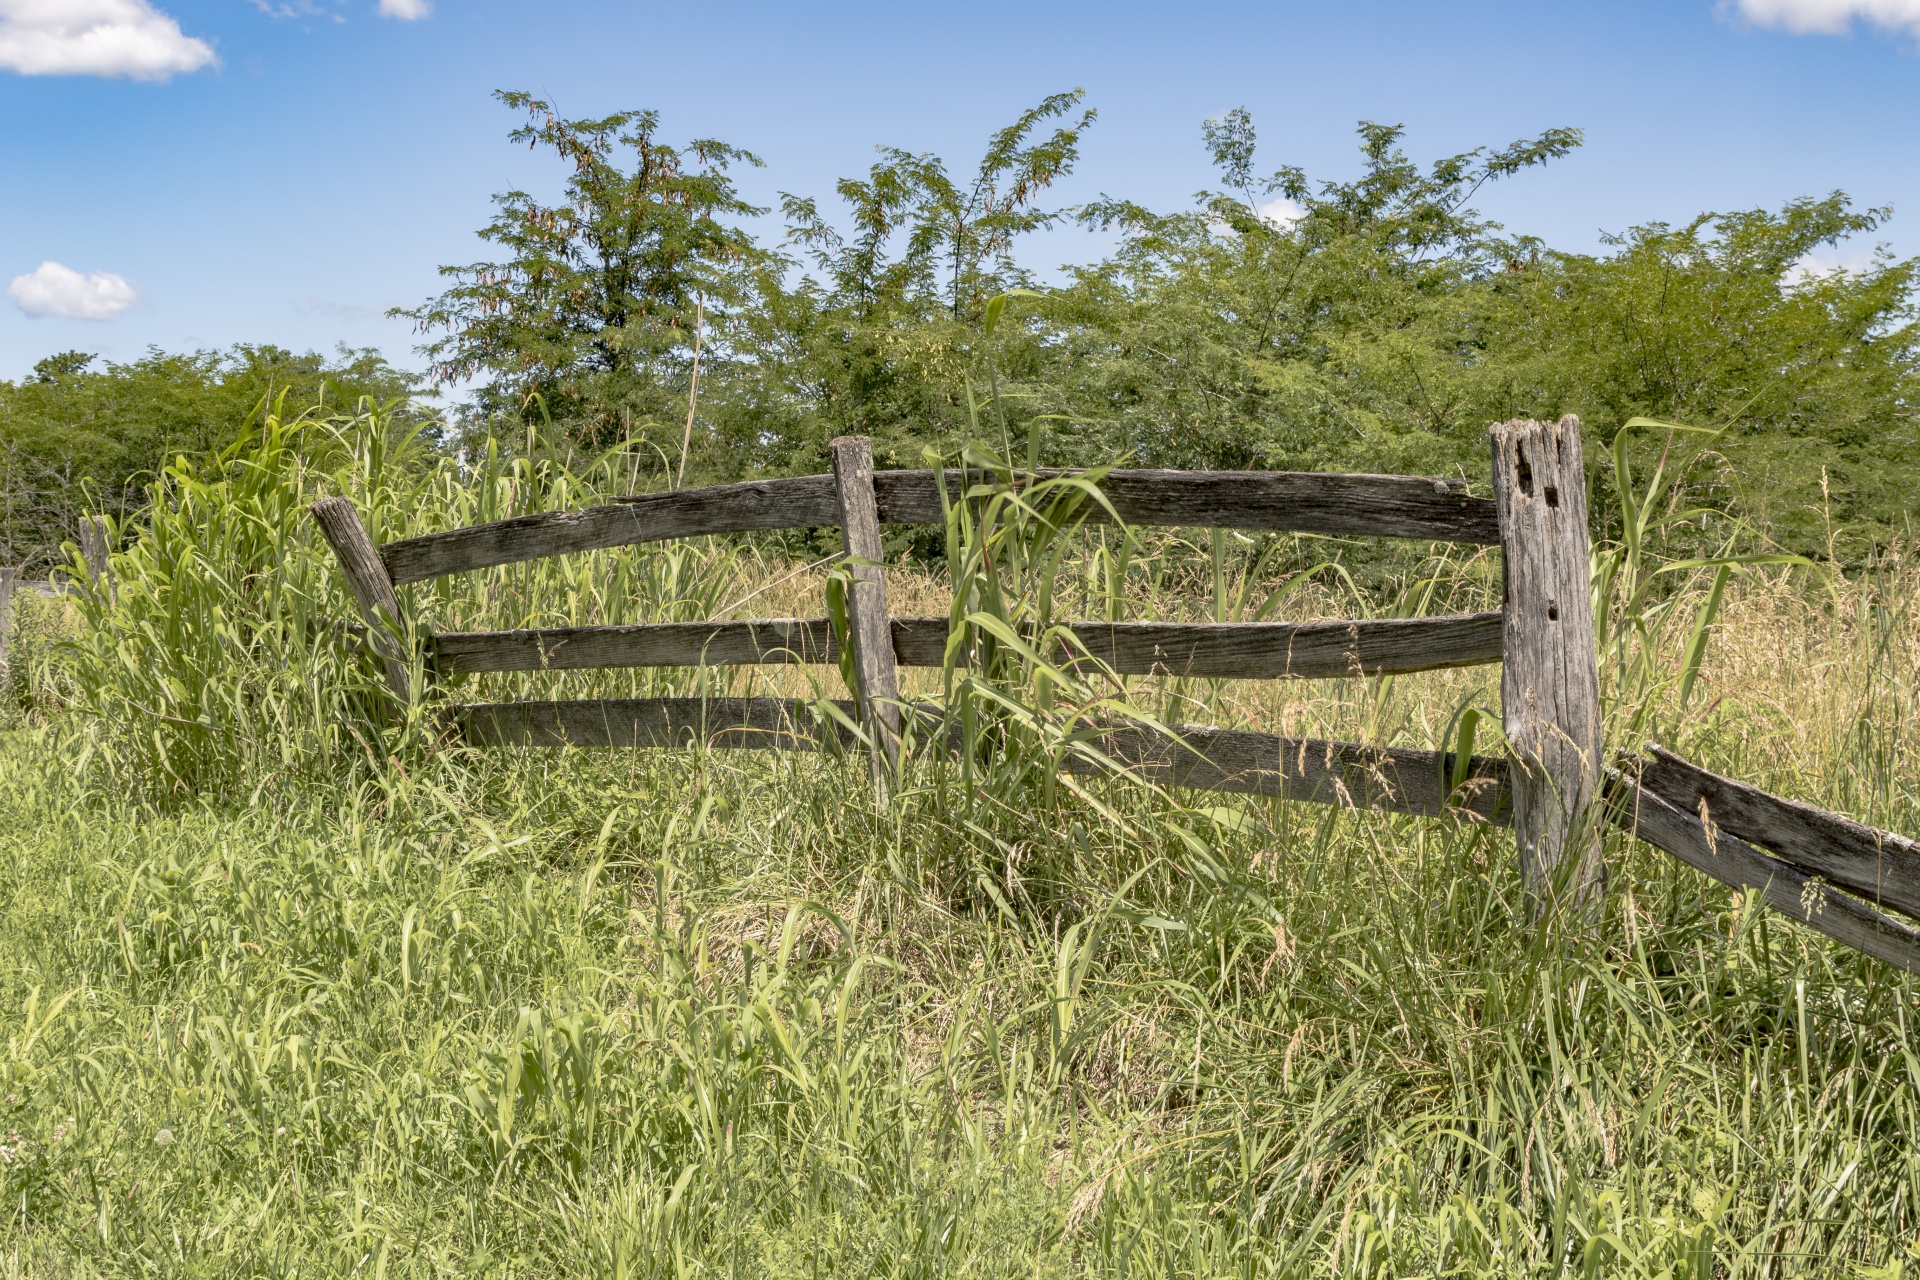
<point x="960" y="236"/>
<point x="603" y="298"/>
<point x="1377" y="322"/>
<point x="885" y="342"/>
<point x="1815" y="375"/>
<point x="1226" y="336"/>
<point x="1384" y="326"/>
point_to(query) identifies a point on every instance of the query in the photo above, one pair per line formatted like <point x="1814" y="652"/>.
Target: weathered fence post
<point x="372" y="588"/>
<point x="96" y="545"/>
<point x="1550" y="683"/>
<point x="7" y="579"/>
<point x="876" y="678"/>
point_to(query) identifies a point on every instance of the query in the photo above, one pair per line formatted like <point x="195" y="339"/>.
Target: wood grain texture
<point x="1878" y="865"/>
<point x="876" y="679"/>
<point x="372" y="589"/>
<point x="653" y="644"/>
<point x="1370" y="506"/>
<point x="1788" y="890"/>
<point x="96" y="550"/>
<point x="1240" y="651"/>
<point x="1550" y="683"/>
<point x="792" y="502"/>
<point x="1301" y="650"/>
<point x="1281" y="501"/>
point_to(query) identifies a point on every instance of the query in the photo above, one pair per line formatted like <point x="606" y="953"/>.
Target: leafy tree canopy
<point x="603" y="297"/>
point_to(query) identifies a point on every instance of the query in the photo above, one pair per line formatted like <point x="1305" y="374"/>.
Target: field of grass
<point x="281" y="995"/>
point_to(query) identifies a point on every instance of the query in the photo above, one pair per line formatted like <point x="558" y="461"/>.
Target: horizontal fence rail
<point x="647" y="644"/>
<point x="1350" y="775"/>
<point x="1231" y="650"/>
<point x="1790" y="890"/>
<point x="1273" y="501"/>
<point x="1878" y="865"/>
<point x="792" y="724"/>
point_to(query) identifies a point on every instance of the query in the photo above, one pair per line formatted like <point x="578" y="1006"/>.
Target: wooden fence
<point x="95" y="552"/>
<point x="1553" y="790"/>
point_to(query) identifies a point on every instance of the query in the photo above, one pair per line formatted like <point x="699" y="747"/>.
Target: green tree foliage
<point x="602" y="298"/>
<point x="1814" y="375"/>
<point x="1334" y="336"/>
<point x="960" y="235"/>
<point x="883" y="340"/>
<point x="78" y="438"/>
<point x="1381" y="324"/>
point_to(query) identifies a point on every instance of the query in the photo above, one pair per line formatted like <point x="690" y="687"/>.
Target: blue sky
<point x="204" y="172"/>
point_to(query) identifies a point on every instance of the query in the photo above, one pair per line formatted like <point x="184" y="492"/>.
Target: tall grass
<point x="397" y="1009"/>
<point x="228" y="656"/>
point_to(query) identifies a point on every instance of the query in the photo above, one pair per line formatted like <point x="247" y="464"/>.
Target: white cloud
<point x="54" y="290"/>
<point x="1831" y="17"/>
<point x="1822" y="263"/>
<point x="96" y="38"/>
<point x="405" y="10"/>
<point x="1281" y="210"/>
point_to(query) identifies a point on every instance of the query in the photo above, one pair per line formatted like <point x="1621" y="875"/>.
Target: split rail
<point x="1553" y="789"/>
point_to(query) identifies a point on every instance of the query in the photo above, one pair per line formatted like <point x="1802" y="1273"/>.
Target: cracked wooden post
<point x="372" y="588"/>
<point x="876" y="678"/>
<point x="1550" y="680"/>
<point x="7" y="579"/>
<point x="96" y="545"/>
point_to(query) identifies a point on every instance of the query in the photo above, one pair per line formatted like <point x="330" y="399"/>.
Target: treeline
<point x="82" y="436"/>
<point x="1377" y="323"/>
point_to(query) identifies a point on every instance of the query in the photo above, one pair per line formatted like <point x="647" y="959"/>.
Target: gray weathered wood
<point x="1788" y="890"/>
<point x="918" y="642"/>
<point x="876" y="680"/>
<point x="372" y="589"/>
<point x="96" y="549"/>
<point x="795" y="502"/>
<point x="1273" y="501"/>
<point x="652" y="644"/>
<point x="1302" y="650"/>
<point x="1550" y="684"/>
<point x="1280" y="501"/>
<point x="7" y="578"/>
<point x="1878" y="865"/>
<point x="1238" y="651"/>
<point x="1348" y="774"/>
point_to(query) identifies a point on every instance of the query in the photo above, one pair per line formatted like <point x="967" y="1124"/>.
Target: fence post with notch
<point x="96" y="545"/>
<point x="1550" y="680"/>
<point x="869" y="630"/>
<point x="371" y="586"/>
<point x="7" y="578"/>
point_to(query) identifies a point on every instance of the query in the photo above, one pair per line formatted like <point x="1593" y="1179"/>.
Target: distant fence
<point x="1554" y="790"/>
<point x="95" y="550"/>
